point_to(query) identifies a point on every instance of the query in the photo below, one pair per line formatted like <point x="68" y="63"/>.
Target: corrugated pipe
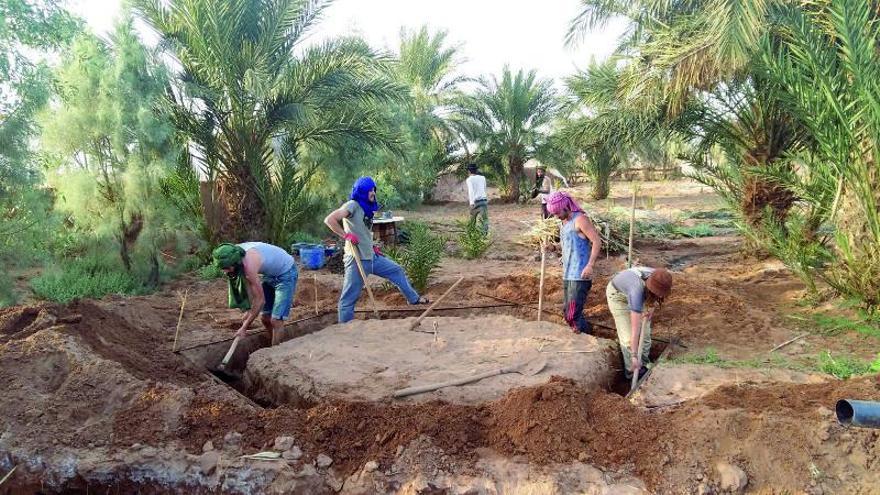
<point x="864" y="413"/>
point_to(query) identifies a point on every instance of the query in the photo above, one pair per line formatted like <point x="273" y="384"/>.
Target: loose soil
<point x="93" y="397"/>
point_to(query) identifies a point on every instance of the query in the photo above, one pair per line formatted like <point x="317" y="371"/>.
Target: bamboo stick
<point x="632" y="229"/>
<point x="434" y="305"/>
<point x="179" y="320"/>
<point x="541" y="284"/>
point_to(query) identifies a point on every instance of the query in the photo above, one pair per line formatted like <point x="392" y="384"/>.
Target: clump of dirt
<point x="560" y="421"/>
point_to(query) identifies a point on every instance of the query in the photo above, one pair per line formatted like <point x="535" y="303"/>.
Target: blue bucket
<point x="312" y="257"/>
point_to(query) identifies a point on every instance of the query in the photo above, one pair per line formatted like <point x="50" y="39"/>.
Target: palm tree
<point x="604" y="131"/>
<point x="249" y="97"/>
<point x="826" y="68"/>
<point x="508" y="120"/>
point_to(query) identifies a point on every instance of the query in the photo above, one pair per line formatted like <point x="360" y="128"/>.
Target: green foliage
<point x="209" y="272"/>
<point x="109" y="146"/>
<point x="472" y="242"/>
<point x="507" y="118"/>
<point x="89" y="277"/>
<point x="830" y="325"/>
<point x="254" y="99"/>
<point x="845" y="367"/>
<point x="421" y="257"/>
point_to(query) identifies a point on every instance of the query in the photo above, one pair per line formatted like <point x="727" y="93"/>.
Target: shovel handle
<point x="635" y="377"/>
<point x="231" y="351"/>
<point x="451" y="383"/>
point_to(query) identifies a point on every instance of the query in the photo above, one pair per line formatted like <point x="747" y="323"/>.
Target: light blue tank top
<point x="575" y="250"/>
<point x="276" y="261"/>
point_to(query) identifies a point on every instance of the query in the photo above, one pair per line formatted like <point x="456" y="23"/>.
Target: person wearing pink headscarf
<point x="581" y="246"/>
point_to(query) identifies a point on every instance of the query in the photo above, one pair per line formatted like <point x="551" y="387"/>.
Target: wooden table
<point x="385" y="230"/>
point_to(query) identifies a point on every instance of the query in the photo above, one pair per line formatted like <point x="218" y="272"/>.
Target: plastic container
<point x="295" y="247"/>
<point x="312" y="257"/>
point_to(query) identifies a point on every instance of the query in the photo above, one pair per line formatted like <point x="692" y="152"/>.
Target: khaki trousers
<point x="619" y="308"/>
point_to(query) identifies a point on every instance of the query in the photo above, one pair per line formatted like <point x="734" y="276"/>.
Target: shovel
<point x="525" y="368"/>
<point x="221" y="369"/>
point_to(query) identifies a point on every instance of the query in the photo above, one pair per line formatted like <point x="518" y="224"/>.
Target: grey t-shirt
<point x="356" y="224"/>
<point x="275" y="261"/>
<point x="632" y="283"/>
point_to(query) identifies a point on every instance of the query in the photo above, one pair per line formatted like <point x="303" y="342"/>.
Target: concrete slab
<point x="368" y="360"/>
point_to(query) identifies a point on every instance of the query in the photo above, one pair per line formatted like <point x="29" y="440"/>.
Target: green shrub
<point x="85" y="278"/>
<point x="421" y="256"/>
<point x="7" y="294"/>
<point x="472" y="242"/>
<point x="209" y="272"/>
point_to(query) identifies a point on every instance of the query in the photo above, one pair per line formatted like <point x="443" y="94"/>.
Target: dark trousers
<point x="576" y="292"/>
<point x="544" y="213"/>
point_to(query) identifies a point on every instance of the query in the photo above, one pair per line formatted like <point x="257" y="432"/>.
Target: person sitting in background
<point x="262" y="280"/>
<point x="477" y="197"/>
<point x="353" y="222"/>
<point x="581" y="246"/>
<point x="634" y="295"/>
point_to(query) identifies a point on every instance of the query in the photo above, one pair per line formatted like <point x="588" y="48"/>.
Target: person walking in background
<point x="477" y="197"/>
<point x="634" y="295"/>
<point x="581" y="246"/>
<point x="353" y="221"/>
<point x="543" y="189"/>
<point x="262" y="280"/>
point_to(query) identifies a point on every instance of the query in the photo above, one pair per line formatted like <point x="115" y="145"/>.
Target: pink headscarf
<point x="559" y="201"/>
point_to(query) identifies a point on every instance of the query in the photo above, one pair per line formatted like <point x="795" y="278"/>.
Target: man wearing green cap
<point x="262" y="279"/>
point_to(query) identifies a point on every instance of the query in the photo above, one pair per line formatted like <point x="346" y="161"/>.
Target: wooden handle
<point x="231" y="351"/>
<point x="356" y="254"/>
<point x="635" y="377"/>
<point x="421" y="317"/>
<point x="451" y="383"/>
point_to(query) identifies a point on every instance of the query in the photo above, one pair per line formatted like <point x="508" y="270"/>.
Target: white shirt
<point x="476" y="185"/>
<point x="547" y="185"/>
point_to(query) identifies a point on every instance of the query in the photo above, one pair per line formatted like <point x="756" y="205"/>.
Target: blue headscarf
<point x="360" y="192"/>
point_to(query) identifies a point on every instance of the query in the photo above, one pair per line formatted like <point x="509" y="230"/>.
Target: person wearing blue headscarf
<point x="353" y="222"/>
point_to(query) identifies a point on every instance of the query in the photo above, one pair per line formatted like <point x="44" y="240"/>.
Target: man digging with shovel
<point x="581" y="246"/>
<point x="262" y="280"/>
<point x="628" y="293"/>
<point x="353" y="221"/>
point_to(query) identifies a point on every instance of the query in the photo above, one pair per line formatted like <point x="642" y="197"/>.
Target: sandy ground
<point x="353" y="361"/>
<point x="94" y="399"/>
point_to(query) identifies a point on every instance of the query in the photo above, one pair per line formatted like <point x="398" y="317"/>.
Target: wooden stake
<point x="421" y="317"/>
<point x="8" y="475"/>
<point x="789" y="341"/>
<point x="632" y="228"/>
<point x="179" y="319"/>
<point x="541" y="284"/>
<point x="317" y="311"/>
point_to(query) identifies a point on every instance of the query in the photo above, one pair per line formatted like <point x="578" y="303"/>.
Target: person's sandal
<point x="422" y="300"/>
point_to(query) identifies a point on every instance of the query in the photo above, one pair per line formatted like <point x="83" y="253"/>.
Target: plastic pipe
<point x="864" y="413"/>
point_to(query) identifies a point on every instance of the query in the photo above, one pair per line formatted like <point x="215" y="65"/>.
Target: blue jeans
<point x="353" y="284"/>
<point x="575" y="298"/>
<point x="278" y="292"/>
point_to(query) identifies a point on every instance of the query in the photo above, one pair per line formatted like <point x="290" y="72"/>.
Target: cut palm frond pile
<point x="540" y="232"/>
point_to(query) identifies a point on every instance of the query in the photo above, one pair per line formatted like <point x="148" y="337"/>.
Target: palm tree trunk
<point x="514" y="177"/>
<point x="246" y="221"/>
<point x="602" y="186"/>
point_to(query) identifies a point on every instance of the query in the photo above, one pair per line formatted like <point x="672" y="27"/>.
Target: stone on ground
<point x="369" y="360"/>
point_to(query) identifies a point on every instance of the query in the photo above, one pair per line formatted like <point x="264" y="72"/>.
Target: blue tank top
<point x="276" y="261"/>
<point x="575" y="250"/>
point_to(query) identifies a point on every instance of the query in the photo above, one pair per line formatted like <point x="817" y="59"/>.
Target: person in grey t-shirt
<point x="353" y="222"/>
<point x="628" y="293"/>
